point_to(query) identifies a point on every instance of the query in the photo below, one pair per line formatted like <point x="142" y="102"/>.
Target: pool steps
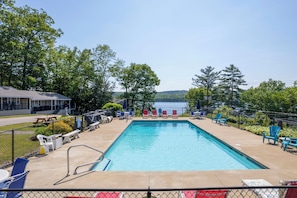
<point x="102" y="166"/>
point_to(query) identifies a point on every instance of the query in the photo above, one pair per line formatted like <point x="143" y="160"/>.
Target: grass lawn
<point x="23" y="143"/>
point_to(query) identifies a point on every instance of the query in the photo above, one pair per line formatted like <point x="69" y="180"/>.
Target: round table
<point x="4" y="174"/>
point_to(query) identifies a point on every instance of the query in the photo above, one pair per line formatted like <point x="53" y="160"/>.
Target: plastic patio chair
<point x="46" y="141"/>
<point x="174" y="114"/>
<point x="164" y="114"/>
<point x="289" y="141"/>
<point x="145" y="113"/>
<point x="223" y="121"/>
<point x="272" y="134"/>
<point x="154" y="113"/>
<point x="217" y="117"/>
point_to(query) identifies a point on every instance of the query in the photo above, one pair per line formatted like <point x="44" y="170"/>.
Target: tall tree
<point x="27" y="35"/>
<point x="139" y="82"/>
<point x="206" y="80"/>
<point x="105" y="63"/>
<point x="230" y="83"/>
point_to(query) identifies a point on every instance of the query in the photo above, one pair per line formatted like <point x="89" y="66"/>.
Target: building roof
<point x="10" y="92"/>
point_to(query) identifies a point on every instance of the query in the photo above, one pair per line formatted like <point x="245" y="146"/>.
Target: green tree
<point x="105" y="64"/>
<point x="271" y="96"/>
<point x="206" y="80"/>
<point x="139" y="82"/>
<point x="230" y="83"/>
<point x="193" y="95"/>
<point x="26" y="35"/>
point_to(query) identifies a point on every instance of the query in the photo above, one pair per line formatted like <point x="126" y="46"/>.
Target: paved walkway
<point x="50" y="171"/>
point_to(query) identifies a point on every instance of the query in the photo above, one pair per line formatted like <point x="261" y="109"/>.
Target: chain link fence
<point x="12" y="143"/>
<point x="231" y="192"/>
<point x="22" y="142"/>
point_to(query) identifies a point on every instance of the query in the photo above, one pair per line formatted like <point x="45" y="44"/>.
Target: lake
<point x="180" y="107"/>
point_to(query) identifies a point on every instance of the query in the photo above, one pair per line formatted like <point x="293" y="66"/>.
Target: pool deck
<point x="49" y="171"/>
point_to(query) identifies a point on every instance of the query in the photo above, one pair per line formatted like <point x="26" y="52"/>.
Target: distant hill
<point x="171" y="96"/>
<point x="165" y="96"/>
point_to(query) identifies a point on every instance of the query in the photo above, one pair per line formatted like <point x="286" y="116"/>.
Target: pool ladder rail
<point x="87" y="164"/>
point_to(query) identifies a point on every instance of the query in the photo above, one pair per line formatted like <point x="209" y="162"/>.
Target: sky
<point x="178" y="38"/>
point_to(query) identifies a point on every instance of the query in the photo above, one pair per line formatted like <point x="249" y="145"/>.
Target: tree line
<point x="30" y="60"/>
<point x="217" y="88"/>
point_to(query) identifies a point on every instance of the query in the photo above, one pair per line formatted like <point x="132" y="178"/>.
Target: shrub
<point x="59" y="127"/>
<point x="112" y="106"/>
<point x="224" y="110"/>
<point x="43" y="131"/>
<point x="69" y="121"/>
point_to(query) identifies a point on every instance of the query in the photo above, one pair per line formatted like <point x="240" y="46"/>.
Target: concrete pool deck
<point x="49" y="171"/>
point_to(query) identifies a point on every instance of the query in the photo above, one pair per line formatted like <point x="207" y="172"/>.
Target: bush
<point x="42" y="131"/>
<point x="59" y="127"/>
<point x="70" y="121"/>
<point x="261" y="119"/>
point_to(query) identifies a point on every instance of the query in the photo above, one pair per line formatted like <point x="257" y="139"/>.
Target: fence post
<point x="239" y="120"/>
<point x="149" y="194"/>
<point x="53" y="127"/>
<point x="12" y="146"/>
<point x="82" y="123"/>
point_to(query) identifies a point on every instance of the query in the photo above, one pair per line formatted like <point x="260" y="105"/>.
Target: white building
<point x="17" y="102"/>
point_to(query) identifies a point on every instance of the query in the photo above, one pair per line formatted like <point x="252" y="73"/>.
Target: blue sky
<point x="177" y="38"/>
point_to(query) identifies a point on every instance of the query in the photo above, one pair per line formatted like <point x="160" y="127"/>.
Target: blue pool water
<point x="172" y="146"/>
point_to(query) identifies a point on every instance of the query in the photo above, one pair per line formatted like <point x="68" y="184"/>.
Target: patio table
<point x="4" y="174"/>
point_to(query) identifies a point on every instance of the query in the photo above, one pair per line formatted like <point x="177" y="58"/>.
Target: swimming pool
<point x="172" y="146"/>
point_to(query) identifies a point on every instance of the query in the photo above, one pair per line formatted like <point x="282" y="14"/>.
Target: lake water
<point x="180" y="107"/>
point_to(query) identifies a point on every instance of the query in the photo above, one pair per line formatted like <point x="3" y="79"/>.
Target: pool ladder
<point x="87" y="164"/>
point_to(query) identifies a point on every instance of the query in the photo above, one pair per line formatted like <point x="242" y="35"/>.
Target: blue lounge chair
<point x="217" y="117"/>
<point x="14" y="182"/>
<point x="272" y="134"/>
<point x="289" y="142"/>
<point x="19" y="166"/>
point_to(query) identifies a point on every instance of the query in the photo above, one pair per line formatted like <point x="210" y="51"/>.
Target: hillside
<point x="165" y="96"/>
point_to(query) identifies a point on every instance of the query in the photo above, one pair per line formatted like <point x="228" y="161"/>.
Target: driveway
<point x="9" y="121"/>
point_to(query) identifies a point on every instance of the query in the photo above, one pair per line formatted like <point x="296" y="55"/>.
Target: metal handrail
<point x="75" y="171"/>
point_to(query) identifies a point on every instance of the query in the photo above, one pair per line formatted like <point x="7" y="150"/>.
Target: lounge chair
<point x="272" y="134"/>
<point x="14" y="182"/>
<point x="204" y="193"/>
<point x="174" y="114"/>
<point x="288" y="141"/>
<point x="46" y="141"/>
<point x="108" y="195"/>
<point x="19" y="166"/>
<point x="164" y="114"/>
<point x="145" y="113"/>
<point x="217" y="117"/>
<point x="289" y="192"/>
<point x="101" y="195"/>
<point x="154" y="113"/>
